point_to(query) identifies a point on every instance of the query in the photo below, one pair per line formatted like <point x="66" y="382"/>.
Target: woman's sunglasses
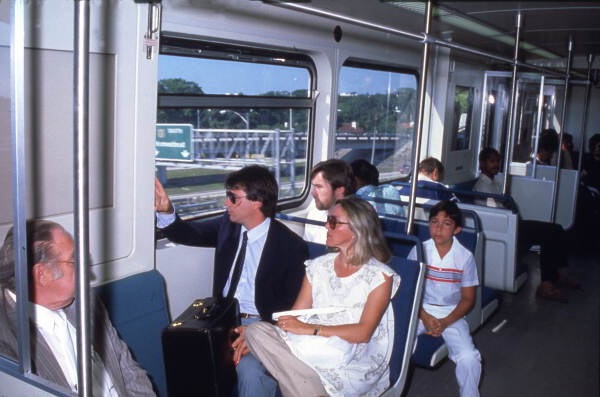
<point x="333" y="222"/>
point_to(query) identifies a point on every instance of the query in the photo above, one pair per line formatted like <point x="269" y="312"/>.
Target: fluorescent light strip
<point x="473" y="26"/>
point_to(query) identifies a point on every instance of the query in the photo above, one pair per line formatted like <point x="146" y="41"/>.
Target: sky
<point x="221" y="77"/>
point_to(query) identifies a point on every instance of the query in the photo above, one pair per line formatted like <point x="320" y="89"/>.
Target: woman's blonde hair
<point x="365" y="224"/>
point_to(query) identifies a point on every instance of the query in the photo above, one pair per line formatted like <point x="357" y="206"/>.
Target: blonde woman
<point x="343" y="348"/>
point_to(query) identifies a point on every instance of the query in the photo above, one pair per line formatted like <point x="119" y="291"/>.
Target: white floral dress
<point x="347" y="369"/>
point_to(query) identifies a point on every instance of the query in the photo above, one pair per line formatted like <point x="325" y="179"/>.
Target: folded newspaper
<point x="308" y="312"/>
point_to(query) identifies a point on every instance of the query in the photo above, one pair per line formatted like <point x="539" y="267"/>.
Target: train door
<point x="537" y="107"/>
<point x="460" y="148"/>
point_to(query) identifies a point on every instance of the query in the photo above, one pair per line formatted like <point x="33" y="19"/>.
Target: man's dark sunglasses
<point x="232" y="197"/>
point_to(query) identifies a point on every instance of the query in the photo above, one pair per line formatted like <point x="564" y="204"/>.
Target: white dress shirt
<point x="61" y="336"/>
<point x="315" y="233"/>
<point x="485" y="184"/>
<point x="245" y="292"/>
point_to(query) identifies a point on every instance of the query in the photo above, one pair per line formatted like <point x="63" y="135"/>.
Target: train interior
<point x="187" y="91"/>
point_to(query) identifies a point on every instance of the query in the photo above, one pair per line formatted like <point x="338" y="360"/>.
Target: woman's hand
<point x="295" y="326"/>
<point x="239" y="345"/>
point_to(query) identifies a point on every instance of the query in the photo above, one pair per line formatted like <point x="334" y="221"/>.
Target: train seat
<point x="503" y="271"/>
<point x="315" y="249"/>
<point x="466" y="185"/>
<point x="534" y="195"/>
<point x="137" y="306"/>
<point x="401" y="244"/>
<point x="406" y="304"/>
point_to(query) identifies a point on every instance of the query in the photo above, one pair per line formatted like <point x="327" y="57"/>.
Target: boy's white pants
<point x="461" y="350"/>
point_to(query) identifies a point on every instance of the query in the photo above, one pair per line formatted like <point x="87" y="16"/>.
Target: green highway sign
<point x="174" y="142"/>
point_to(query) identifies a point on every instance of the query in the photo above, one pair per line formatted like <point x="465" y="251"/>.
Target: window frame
<point x="384" y="67"/>
<point x="178" y="45"/>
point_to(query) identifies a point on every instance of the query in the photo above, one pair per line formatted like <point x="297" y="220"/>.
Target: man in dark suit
<point x="273" y="266"/>
<point x="52" y="290"/>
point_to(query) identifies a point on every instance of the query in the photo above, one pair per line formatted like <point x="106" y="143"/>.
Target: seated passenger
<point x="489" y="165"/>
<point x="547" y="146"/>
<point x="549" y="236"/>
<point x="449" y="294"/>
<point x="569" y="158"/>
<point x="330" y="180"/>
<point x="590" y="175"/>
<point x="588" y="207"/>
<point x="53" y="314"/>
<point x="272" y="268"/>
<point x="366" y="176"/>
<point x="346" y="352"/>
<point x="431" y="173"/>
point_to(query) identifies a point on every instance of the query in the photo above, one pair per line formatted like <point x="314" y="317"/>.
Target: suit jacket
<point x="127" y="376"/>
<point x="280" y="269"/>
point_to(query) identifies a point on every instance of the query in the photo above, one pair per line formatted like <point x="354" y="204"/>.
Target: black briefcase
<point x="197" y="349"/>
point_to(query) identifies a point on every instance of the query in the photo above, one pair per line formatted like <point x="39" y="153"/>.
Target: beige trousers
<point x="296" y="379"/>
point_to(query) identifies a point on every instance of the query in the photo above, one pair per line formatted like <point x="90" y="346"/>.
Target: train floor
<point x="545" y="348"/>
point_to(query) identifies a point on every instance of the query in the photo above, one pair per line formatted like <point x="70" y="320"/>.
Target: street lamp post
<point x="246" y="121"/>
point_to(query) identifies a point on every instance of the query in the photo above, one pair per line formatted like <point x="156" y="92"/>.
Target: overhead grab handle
<point x="152" y="32"/>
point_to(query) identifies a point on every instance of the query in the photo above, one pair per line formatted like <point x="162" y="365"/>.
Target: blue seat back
<point x="401" y="244"/>
<point x="137" y="306"/>
<point x="405" y="304"/>
<point x="315" y="249"/>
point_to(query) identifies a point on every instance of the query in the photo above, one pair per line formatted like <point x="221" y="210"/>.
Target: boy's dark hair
<point x="431" y="164"/>
<point x="365" y="171"/>
<point x="487" y="152"/>
<point x="259" y="184"/>
<point x="450" y="208"/>
<point x="338" y="173"/>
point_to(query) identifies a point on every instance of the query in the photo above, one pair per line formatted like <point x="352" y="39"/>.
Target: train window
<point x="463" y="113"/>
<point x="376" y="115"/>
<point x="221" y="108"/>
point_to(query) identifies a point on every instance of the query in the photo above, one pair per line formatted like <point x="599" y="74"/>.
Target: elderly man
<point x="52" y="291"/>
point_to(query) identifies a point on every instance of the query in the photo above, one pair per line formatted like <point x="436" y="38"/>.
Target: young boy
<point x="450" y="286"/>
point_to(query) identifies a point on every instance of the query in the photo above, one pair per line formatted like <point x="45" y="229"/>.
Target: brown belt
<point x="247" y="315"/>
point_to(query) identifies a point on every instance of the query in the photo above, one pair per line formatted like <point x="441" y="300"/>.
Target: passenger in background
<point x="489" y="165"/>
<point x="449" y="295"/>
<point x="547" y="146"/>
<point x="549" y="236"/>
<point x="366" y="176"/>
<point x="588" y="209"/>
<point x="273" y="266"/>
<point x="53" y="314"/>
<point x="330" y="180"/>
<point x="591" y="164"/>
<point x="344" y="352"/>
<point x="431" y="173"/>
<point x="569" y="157"/>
